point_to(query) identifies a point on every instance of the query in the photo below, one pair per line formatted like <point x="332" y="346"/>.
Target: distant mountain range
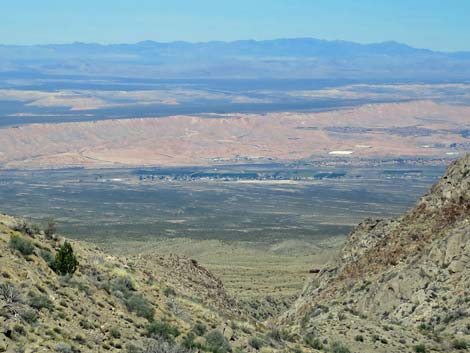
<point x="280" y="58"/>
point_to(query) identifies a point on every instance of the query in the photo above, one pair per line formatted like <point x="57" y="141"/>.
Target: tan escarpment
<point x="387" y="130"/>
<point x="398" y="285"/>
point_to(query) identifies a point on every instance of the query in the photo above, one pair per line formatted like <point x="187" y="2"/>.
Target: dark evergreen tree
<point x="65" y="261"/>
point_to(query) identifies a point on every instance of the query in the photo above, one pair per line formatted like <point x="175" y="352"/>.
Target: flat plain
<point x="260" y="236"/>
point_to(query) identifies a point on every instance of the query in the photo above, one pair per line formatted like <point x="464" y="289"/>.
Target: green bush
<point x="359" y="338"/>
<point x="161" y="346"/>
<point x="216" y="342"/>
<point x="115" y="333"/>
<point x="139" y="305"/>
<point x="190" y="343"/>
<point x="48" y="257"/>
<point x="200" y="329"/>
<point x="24" y="246"/>
<point x="314" y="342"/>
<point x="19" y="329"/>
<point x="279" y="335"/>
<point x="39" y="301"/>
<point x="337" y="347"/>
<point x="163" y="330"/>
<point x="169" y="292"/>
<point x="124" y="285"/>
<point x="420" y="348"/>
<point x="460" y="344"/>
<point x="65" y="262"/>
<point x="63" y="347"/>
<point x="29" y="316"/>
<point x="256" y="342"/>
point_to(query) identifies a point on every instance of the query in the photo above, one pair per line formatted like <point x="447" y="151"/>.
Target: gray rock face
<point x="413" y="272"/>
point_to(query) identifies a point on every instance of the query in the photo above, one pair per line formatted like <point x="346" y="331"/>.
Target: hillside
<point x="132" y="304"/>
<point x="398" y="285"/>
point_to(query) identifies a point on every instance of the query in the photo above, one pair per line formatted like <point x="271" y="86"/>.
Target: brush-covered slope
<point x="399" y="285"/>
<point x="136" y="304"/>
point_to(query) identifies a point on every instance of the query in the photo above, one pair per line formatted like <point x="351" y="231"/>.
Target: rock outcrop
<point x="399" y="283"/>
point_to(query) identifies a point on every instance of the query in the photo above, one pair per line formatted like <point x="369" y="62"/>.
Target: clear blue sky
<point x="434" y="24"/>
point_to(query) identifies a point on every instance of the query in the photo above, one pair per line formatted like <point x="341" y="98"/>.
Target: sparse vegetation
<point x="256" y="343"/>
<point x="337" y="347"/>
<point x="141" y="306"/>
<point x="200" y="329"/>
<point x="216" y="342"/>
<point x="314" y="342"/>
<point x="115" y="333"/>
<point x="169" y="292"/>
<point x="63" y="347"/>
<point x="48" y="257"/>
<point x="23" y="245"/>
<point x="40" y="301"/>
<point x="29" y="316"/>
<point x="359" y="338"/>
<point x="420" y="348"/>
<point x="460" y="344"/>
<point x="162" y="330"/>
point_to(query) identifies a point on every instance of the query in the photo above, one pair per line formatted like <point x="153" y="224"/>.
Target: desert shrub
<point x="159" y="346"/>
<point x="138" y="304"/>
<point x="40" y="301"/>
<point x="337" y="347"/>
<point x="19" y="329"/>
<point x="420" y="348"/>
<point x="359" y="338"/>
<point x="312" y="341"/>
<point x="123" y="286"/>
<point x="460" y="344"/>
<point x="29" y="316"/>
<point x="279" y="335"/>
<point x="115" y="333"/>
<point x="62" y="347"/>
<point x="47" y="257"/>
<point x="9" y="293"/>
<point x="200" y="329"/>
<point x="23" y="245"/>
<point x="80" y="339"/>
<point x="85" y="324"/>
<point x="190" y="343"/>
<point x="169" y="292"/>
<point x="256" y="342"/>
<point x="163" y="330"/>
<point x="65" y="262"/>
<point x="216" y="342"/>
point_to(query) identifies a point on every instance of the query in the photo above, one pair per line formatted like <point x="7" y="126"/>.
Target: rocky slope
<point x="398" y="285"/>
<point x="134" y="304"/>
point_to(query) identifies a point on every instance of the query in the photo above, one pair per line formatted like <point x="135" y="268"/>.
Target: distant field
<point x="261" y="237"/>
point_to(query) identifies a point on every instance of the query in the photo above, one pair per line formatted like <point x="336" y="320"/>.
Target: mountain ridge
<point x="278" y="58"/>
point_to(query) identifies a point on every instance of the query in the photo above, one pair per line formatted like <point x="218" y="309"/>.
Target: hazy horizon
<point x="339" y="40"/>
<point x="434" y="24"/>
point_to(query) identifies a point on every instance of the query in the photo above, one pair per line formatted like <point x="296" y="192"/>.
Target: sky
<point x="433" y="24"/>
